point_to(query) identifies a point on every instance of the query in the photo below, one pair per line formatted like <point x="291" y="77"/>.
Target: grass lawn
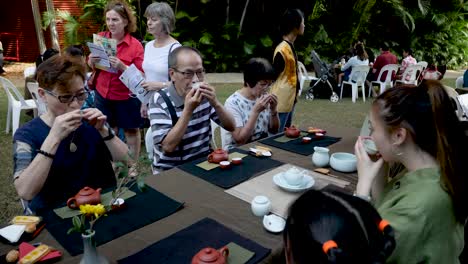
<point x="308" y="113"/>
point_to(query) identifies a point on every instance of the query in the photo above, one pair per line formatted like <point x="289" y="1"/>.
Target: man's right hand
<point x="193" y="99"/>
<point x="65" y="124"/>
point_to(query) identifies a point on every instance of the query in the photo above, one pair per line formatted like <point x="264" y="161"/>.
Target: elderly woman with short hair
<point x="161" y="22"/>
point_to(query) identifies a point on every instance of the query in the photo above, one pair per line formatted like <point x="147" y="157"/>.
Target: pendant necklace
<point x="73" y="146"/>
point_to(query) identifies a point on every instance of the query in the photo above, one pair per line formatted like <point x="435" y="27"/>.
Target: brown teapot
<point x="218" y="155"/>
<point x="292" y="132"/>
<point x="211" y="256"/>
<point x="86" y="195"/>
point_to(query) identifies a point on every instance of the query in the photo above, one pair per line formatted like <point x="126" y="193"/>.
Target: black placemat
<point x="183" y="245"/>
<point x="142" y="209"/>
<point x="297" y="146"/>
<point x="226" y="178"/>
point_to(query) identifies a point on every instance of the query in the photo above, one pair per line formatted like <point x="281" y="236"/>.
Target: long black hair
<point x="320" y="218"/>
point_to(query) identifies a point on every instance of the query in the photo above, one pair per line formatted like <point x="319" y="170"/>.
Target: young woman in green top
<point x="417" y="127"/>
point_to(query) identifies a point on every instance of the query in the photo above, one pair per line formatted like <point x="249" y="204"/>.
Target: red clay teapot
<point x="292" y="132"/>
<point x="86" y="195"/>
<point x="218" y="155"/>
<point x="211" y="256"/>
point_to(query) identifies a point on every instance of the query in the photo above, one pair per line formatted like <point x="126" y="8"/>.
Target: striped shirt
<point x="196" y="140"/>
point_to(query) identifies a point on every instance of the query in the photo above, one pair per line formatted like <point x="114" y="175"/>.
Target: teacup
<point x="319" y="135"/>
<point x="196" y="85"/>
<point x="306" y="140"/>
<point x="293" y="176"/>
<point x="224" y="164"/>
<point x="370" y="146"/>
<point x="236" y="161"/>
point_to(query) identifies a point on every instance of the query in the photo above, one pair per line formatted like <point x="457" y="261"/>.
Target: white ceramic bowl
<point x="344" y="162"/>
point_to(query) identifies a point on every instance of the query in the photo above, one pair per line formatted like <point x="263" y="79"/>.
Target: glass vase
<point x="90" y="253"/>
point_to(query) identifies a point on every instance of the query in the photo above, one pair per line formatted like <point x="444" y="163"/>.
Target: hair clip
<point x="383" y="223"/>
<point x="328" y="245"/>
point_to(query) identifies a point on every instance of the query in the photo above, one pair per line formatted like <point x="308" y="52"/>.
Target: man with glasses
<point x="180" y="114"/>
<point x="253" y="107"/>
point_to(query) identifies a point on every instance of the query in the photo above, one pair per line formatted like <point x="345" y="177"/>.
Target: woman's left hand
<point x="117" y="63"/>
<point x="95" y="118"/>
<point x="367" y="169"/>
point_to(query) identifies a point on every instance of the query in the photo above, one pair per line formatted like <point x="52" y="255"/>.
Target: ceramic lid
<point x="208" y="255"/>
<point x="86" y="191"/>
<point x="261" y="199"/>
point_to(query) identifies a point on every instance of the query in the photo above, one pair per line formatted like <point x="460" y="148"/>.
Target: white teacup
<point x="370" y="146"/>
<point x="196" y="85"/>
<point x="293" y="176"/>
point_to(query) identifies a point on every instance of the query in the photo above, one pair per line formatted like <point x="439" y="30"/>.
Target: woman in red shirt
<point x="112" y="96"/>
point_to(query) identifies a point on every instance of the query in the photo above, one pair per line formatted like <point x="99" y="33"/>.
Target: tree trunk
<point x="242" y="18"/>
<point x="53" y="29"/>
<point x="227" y="12"/>
<point x="38" y="25"/>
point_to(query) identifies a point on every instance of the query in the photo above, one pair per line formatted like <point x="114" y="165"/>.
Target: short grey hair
<point x="165" y="14"/>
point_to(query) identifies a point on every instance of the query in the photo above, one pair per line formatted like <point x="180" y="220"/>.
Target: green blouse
<point x="422" y="214"/>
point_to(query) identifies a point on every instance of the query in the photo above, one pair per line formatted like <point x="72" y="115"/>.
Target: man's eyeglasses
<point x="190" y="74"/>
<point x="68" y="98"/>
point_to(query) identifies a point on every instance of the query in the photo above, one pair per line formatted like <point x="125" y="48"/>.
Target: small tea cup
<point x="370" y="146"/>
<point x="306" y="140"/>
<point x="236" y="161"/>
<point x="319" y="135"/>
<point x="224" y="164"/>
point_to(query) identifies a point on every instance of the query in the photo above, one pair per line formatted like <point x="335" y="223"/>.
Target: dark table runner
<point x="183" y="245"/>
<point x="297" y="146"/>
<point x="226" y="178"/>
<point x="142" y="209"/>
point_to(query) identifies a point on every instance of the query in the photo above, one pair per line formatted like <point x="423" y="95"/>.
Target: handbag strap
<point x="169" y="53"/>
<point x="174" y="118"/>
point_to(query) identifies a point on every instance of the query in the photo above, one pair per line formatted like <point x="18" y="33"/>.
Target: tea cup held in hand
<point x="370" y="146"/>
<point x="236" y="161"/>
<point x="224" y="164"/>
<point x="293" y="176"/>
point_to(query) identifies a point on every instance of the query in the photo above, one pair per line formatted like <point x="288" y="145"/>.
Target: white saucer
<point x="274" y="223"/>
<point x="307" y="183"/>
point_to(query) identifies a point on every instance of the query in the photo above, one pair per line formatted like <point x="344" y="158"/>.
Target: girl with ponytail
<point x="332" y="227"/>
<point x="417" y="127"/>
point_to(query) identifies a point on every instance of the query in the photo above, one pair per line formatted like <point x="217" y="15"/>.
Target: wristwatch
<point x="110" y="135"/>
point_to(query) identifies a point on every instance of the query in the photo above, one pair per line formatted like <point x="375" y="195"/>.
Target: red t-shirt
<point x="108" y="84"/>
<point x="383" y="59"/>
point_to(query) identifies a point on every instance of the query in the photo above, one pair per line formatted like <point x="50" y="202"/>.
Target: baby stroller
<point x="322" y="88"/>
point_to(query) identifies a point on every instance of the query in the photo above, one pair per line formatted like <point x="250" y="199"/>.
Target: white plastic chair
<point x="33" y="89"/>
<point x="411" y="74"/>
<point x="423" y="63"/>
<point x="29" y="71"/>
<point x="303" y="76"/>
<point x="149" y="143"/>
<point x="16" y="103"/>
<point x="357" y="78"/>
<point x="459" y="82"/>
<point x="390" y="69"/>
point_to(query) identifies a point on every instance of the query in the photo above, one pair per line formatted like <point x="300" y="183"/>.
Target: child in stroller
<point x="323" y="87"/>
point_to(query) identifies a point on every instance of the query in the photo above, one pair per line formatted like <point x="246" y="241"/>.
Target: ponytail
<point x="451" y="144"/>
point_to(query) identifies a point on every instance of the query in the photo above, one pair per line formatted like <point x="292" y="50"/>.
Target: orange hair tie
<point x="329" y="244"/>
<point x="383" y="223"/>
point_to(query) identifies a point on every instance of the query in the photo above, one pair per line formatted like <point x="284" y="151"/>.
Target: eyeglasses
<point x="68" y="98"/>
<point x="189" y="74"/>
<point x="265" y="85"/>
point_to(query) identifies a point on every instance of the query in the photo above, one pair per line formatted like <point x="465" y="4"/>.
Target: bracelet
<point x="110" y="136"/>
<point x="47" y="154"/>
<point x="366" y="198"/>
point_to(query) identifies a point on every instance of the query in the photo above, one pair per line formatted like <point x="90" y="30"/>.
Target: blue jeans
<point x="285" y="119"/>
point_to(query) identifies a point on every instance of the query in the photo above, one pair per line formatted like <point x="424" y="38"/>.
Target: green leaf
<point x="266" y="41"/>
<point x="248" y="48"/>
<point x="206" y="38"/>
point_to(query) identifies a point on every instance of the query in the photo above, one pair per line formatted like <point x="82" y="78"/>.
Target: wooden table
<point x="203" y="199"/>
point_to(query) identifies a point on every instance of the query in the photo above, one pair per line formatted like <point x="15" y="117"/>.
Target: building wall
<point x="17" y="20"/>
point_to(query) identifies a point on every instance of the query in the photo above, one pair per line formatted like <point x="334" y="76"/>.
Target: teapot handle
<point x="210" y="157"/>
<point x="72" y="203"/>
<point x="224" y="251"/>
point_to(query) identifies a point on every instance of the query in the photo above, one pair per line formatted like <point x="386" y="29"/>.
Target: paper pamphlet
<point x="132" y="78"/>
<point x="462" y="104"/>
<point x="103" y="48"/>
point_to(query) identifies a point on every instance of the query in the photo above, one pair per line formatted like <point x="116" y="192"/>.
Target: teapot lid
<point x="86" y="191"/>
<point x="208" y="255"/>
<point x="260" y="199"/>
<point x="219" y="150"/>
